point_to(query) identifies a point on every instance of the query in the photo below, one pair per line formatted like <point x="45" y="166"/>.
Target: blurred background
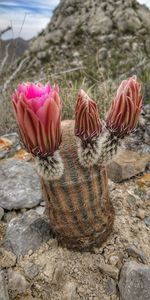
<point x="93" y="44"/>
<point x="35" y="14"/>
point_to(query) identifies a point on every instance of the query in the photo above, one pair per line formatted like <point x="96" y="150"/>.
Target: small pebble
<point x="31" y="270"/>
<point x="113" y="260"/>
<point x="109" y="270"/>
<point x="16" y="282"/>
<point x="7" y="258"/>
<point x="40" y="210"/>
<point x="110" y="287"/>
<point x="135" y="252"/>
<point x="147" y="221"/>
<point x="140" y="213"/>
<point x="42" y="203"/>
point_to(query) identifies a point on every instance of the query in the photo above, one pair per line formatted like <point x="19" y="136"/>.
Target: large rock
<point x="54" y="37"/>
<point x="42" y="54"/>
<point x="126" y="165"/>
<point x="3" y="288"/>
<point x="144" y="16"/>
<point x="27" y="232"/>
<point x="127" y="21"/>
<point x="134" y="281"/>
<point x="38" y="44"/>
<point x="19" y="185"/>
<point x="100" y="23"/>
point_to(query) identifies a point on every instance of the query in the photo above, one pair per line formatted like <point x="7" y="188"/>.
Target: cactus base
<point x="78" y="204"/>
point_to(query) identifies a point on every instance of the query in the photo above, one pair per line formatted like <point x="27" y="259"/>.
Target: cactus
<point x="71" y="157"/>
<point x="78" y="204"/>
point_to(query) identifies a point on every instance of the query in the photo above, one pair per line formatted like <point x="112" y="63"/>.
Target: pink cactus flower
<point x="38" y="114"/>
<point x="87" y="122"/>
<point x="125" y="109"/>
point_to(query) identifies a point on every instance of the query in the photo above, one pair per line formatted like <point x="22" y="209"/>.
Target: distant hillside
<point x="89" y="43"/>
<point x="15" y="48"/>
<point x="112" y="37"/>
<point x="92" y="39"/>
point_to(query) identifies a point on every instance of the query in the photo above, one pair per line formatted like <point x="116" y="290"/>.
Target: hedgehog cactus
<point x="71" y="156"/>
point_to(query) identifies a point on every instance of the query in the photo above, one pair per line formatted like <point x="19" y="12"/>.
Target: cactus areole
<point x="71" y="156"/>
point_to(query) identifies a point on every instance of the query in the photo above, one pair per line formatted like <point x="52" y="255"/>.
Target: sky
<point x="28" y="17"/>
<point x="147" y="2"/>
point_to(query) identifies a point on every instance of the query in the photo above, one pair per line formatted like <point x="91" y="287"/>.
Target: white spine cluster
<point x="89" y="155"/>
<point x="110" y="148"/>
<point x="51" y="167"/>
<point x="101" y="151"/>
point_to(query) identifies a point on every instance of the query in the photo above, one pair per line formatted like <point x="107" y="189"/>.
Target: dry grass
<point x="100" y="88"/>
<point x="7" y="121"/>
<point x="101" y="91"/>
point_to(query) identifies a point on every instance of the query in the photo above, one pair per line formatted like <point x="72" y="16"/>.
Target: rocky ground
<point x="34" y="266"/>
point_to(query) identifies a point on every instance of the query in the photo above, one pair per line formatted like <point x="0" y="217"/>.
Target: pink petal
<point x="36" y="103"/>
<point x="56" y="88"/>
<point x="30" y="125"/>
<point x="42" y="138"/>
<point x="57" y="99"/>
<point x="21" y="107"/>
<point x="49" y="111"/>
<point x="51" y="135"/>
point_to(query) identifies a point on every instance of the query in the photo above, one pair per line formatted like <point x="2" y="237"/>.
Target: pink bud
<point x="126" y="107"/>
<point x="87" y="122"/>
<point x="38" y="114"/>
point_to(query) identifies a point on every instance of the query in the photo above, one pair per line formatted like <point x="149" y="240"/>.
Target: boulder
<point x="26" y="233"/>
<point x="99" y="23"/>
<point x="143" y="14"/>
<point x="19" y="185"/>
<point x="126" y="165"/>
<point x="54" y="36"/>
<point x="134" y="283"/>
<point x="127" y="21"/>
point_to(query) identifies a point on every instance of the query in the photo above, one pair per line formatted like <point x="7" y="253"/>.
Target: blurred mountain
<point x="13" y="49"/>
<point x="97" y="36"/>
